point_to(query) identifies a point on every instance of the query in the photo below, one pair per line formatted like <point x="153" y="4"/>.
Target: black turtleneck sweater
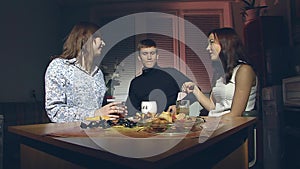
<point x="155" y="84"/>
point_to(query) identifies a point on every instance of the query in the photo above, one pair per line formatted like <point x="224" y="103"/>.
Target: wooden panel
<point x="239" y="156"/>
<point x="18" y="113"/>
<point x="39" y="159"/>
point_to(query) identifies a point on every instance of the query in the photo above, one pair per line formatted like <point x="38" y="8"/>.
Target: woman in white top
<point x="235" y="88"/>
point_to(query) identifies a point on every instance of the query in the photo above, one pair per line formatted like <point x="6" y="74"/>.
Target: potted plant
<point x="250" y="11"/>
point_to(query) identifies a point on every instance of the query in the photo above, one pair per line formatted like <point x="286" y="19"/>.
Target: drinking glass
<point x="183" y="106"/>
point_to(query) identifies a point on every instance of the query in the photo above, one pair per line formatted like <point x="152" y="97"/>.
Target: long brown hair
<point x="232" y="51"/>
<point x="78" y="40"/>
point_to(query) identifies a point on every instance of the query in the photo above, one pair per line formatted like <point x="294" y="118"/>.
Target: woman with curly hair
<point x="74" y="84"/>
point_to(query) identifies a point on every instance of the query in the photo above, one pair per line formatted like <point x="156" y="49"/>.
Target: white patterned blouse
<point x="71" y="94"/>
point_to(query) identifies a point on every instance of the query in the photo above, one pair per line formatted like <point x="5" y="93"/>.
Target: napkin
<point x="181" y="95"/>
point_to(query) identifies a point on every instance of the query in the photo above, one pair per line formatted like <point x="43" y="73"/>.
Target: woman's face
<point x="98" y="44"/>
<point x="213" y="47"/>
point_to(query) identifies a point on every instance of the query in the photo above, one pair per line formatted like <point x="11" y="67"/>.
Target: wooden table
<point x="38" y="149"/>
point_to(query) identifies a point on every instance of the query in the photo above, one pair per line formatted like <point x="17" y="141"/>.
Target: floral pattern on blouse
<point x="71" y="94"/>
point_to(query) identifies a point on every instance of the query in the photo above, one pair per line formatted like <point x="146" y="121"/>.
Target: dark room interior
<point x="35" y="30"/>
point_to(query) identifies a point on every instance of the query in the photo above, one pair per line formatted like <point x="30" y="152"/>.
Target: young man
<point x="155" y="83"/>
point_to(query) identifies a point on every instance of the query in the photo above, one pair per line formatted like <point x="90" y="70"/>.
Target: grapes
<point x="83" y="125"/>
<point x="109" y="123"/>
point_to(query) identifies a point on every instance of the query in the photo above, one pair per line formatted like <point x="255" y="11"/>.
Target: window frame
<point x="179" y="9"/>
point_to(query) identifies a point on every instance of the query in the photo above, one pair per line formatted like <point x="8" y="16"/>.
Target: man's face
<point x="148" y="56"/>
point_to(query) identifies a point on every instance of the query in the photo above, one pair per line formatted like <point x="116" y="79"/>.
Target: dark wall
<point x="30" y="33"/>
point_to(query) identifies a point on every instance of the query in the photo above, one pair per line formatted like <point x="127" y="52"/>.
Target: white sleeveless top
<point x="223" y="95"/>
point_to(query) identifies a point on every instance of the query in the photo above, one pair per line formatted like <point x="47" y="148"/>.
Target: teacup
<point x="149" y="107"/>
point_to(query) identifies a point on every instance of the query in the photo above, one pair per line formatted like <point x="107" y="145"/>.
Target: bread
<point x="167" y="116"/>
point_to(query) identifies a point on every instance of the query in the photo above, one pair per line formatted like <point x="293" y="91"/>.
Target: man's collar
<point x="145" y="69"/>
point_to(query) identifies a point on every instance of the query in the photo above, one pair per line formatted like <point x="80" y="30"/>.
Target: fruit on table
<point x="97" y="118"/>
<point x="109" y="123"/>
<point x="167" y="116"/>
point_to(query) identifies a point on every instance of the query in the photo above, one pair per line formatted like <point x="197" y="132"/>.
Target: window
<point x="175" y="39"/>
<point x="199" y="67"/>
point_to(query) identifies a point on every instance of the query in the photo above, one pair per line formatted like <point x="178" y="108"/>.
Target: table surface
<point x="89" y="146"/>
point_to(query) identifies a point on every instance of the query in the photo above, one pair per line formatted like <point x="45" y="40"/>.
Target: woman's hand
<point x="191" y="87"/>
<point x="188" y="87"/>
<point x="113" y="110"/>
<point x="172" y="109"/>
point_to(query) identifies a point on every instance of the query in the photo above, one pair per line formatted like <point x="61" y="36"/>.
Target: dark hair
<point x="232" y="50"/>
<point x="77" y="40"/>
<point x="146" y="43"/>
